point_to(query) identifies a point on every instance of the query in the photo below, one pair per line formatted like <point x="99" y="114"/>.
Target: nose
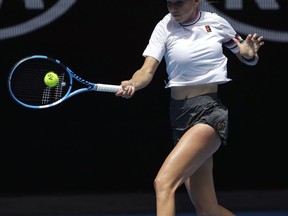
<point x="172" y="8"/>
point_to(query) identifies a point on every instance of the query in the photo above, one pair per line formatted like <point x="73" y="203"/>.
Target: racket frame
<point x="90" y="86"/>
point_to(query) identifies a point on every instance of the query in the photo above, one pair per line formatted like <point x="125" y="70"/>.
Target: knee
<point x="163" y="186"/>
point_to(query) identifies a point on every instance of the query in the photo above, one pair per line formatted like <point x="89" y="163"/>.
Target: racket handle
<point x="108" y="88"/>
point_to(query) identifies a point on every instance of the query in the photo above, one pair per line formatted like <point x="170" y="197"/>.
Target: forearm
<point x="141" y="79"/>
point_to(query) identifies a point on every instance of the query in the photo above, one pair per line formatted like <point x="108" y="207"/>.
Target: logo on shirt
<point x="208" y="29"/>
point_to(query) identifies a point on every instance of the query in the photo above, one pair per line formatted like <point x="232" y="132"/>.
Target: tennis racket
<point x="27" y="87"/>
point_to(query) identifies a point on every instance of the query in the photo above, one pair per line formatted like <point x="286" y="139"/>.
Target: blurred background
<point x="96" y="143"/>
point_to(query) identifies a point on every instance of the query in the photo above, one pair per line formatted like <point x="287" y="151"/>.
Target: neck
<point x="192" y="20"/>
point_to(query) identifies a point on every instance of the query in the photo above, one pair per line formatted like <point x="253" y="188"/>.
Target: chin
<point x="178" y="19"/>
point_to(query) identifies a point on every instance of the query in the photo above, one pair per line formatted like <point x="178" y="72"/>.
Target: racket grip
<point x="108" y="88"/>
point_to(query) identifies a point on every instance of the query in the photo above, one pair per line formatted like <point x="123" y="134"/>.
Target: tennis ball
<point x="51" y="79"/>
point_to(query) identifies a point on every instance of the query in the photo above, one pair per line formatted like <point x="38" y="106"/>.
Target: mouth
<point x="176" y="17"/>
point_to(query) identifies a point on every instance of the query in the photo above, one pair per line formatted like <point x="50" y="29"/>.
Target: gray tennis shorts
<point x="205" y="108"/>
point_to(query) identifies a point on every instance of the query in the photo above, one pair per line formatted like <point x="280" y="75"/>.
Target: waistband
<point x="199" y="99"/>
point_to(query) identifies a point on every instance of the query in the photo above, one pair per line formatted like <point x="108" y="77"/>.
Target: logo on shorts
<point x="220" y="126"/>
<point x="265" y="17"/>
<point x="32" y="15"/>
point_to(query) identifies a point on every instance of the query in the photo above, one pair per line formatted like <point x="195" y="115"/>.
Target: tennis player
<point x="191" y="42"/>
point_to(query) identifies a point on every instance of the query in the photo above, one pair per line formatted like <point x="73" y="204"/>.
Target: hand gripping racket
<point x="27" y="87"/>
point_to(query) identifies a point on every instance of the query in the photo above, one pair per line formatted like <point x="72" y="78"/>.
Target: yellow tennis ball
<point x="51" y="79"/>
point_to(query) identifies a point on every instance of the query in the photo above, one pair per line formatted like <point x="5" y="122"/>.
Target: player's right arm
<point x="140" y="79"/>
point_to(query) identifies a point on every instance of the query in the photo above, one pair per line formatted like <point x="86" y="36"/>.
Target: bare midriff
<point x="185" y="92"/>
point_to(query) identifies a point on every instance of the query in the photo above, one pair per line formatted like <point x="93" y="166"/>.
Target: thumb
<point x="236" y="40"/>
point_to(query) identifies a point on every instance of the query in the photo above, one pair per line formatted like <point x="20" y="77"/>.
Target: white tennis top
<point x="193" y="50"/>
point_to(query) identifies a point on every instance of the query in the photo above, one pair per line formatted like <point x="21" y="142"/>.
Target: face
<point x="182" y="10"/>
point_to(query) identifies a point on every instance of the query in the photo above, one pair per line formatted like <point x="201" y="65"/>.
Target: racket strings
<point x="27" y="82"/>
<point x="50" y="96"/>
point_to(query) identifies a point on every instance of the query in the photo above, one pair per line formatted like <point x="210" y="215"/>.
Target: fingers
<point x="260" y="40"/>
<point x="127" y="91"/>
<point x="257" y="39"/>
<point x="249" y="36"/>
<point x="236" y="40"/>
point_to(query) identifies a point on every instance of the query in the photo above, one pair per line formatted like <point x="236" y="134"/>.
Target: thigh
<point x="190" y="153"/>
<point x="200" y="187"/>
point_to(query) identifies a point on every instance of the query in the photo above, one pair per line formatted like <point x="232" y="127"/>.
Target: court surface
<point x="242" y="203"/>
<point x="260" y="213"/>
<point x="244" y="213"/>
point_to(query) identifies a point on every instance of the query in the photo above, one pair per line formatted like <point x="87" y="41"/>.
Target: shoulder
<point x="166" y="19"/>
<point x="212" y="16"/>
<point x="167" y="23"/>
<point x="217" y="21"/>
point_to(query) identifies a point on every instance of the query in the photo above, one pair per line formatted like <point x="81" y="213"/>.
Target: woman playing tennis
<point x="192" y="41"/>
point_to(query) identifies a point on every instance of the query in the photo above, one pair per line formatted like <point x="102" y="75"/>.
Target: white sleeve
<point x="230" y="33"/>
<point x="156" y="45"/>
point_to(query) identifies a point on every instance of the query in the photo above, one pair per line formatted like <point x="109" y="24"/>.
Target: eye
<point x="175" y="4"/>
<point x="178" y="3"/>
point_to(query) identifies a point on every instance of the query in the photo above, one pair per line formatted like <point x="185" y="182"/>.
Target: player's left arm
<point x="248" y="48"/>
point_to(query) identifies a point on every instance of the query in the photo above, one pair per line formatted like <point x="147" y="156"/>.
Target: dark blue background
<point x="98" y="143"/>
